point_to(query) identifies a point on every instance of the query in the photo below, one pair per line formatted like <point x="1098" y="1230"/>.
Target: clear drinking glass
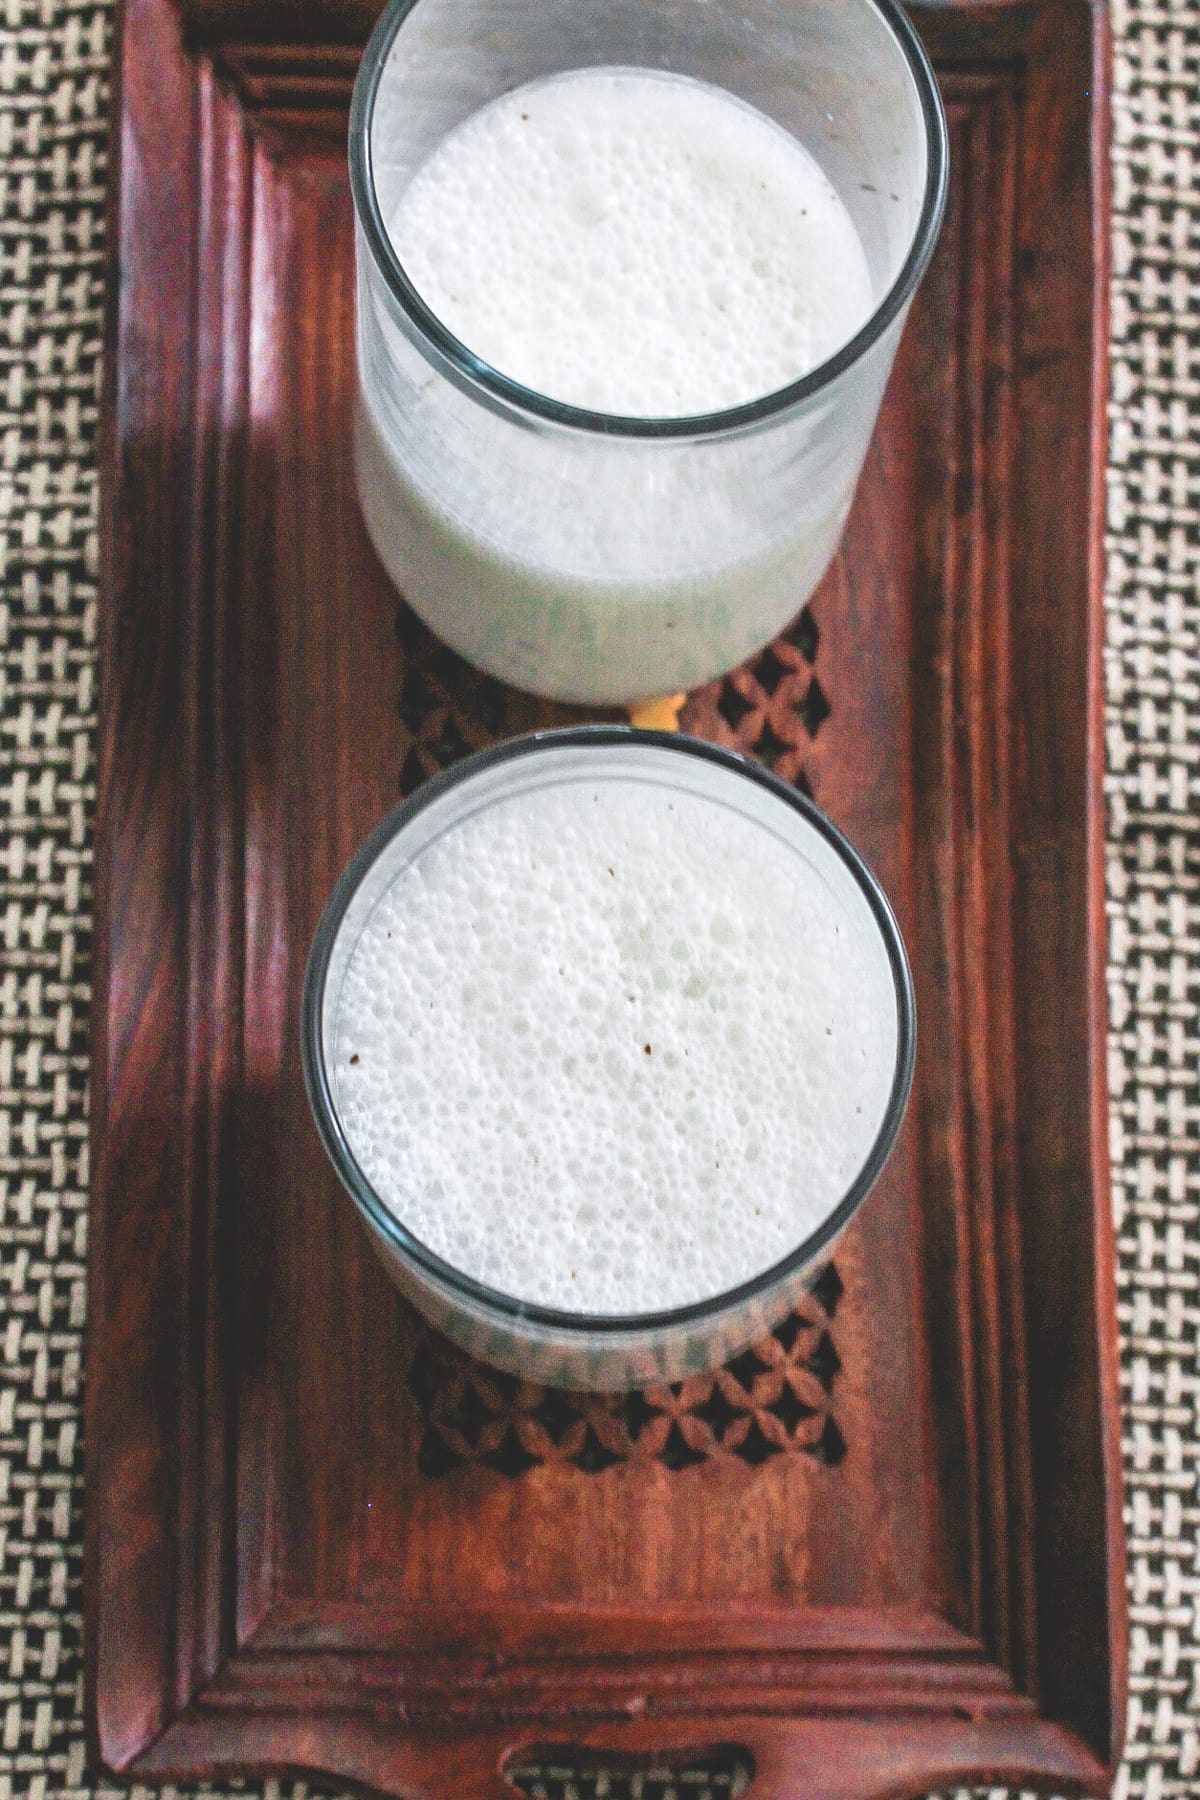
<point x="582" y="555"/>
<point x="567" y="1348"/>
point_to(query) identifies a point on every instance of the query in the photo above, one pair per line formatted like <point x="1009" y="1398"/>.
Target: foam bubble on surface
<point x="634" y="242"/>
<point x="610" y="1047"/>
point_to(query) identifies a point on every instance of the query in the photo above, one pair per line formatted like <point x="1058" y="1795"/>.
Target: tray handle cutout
<point x="554" y="1771"/>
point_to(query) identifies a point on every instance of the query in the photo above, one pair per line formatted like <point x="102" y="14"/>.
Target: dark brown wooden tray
<point x="884" y="1552"/>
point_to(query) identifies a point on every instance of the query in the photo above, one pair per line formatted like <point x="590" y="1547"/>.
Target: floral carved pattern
<point x="771" y="708"/>
<point x="774" y="1399"/>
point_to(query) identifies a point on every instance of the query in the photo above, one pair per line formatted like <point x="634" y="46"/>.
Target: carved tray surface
<point x="879" y="1552"/>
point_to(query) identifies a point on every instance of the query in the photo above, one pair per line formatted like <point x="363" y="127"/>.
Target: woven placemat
<point x="54" y="61"/>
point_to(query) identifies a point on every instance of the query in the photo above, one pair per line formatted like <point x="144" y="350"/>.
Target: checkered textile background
<point x="54" y="57"/>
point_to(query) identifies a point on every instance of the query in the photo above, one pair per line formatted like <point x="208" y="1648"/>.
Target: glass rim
<point x="471" y="372"/>
<point x="508" y="1307"/>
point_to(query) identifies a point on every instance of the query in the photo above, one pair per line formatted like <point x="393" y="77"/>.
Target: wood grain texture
<point x="273" y="1579"/>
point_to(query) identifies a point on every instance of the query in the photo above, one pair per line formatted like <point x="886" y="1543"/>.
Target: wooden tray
<point x="882" y="1553"/>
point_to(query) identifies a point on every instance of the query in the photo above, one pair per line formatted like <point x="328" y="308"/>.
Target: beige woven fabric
<point x="53" y="98"/>
<point x="1153" y="677"/>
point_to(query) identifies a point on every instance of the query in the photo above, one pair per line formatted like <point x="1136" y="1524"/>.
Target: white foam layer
<point x="634" y="242"/>
<point x="611" y="1047"/>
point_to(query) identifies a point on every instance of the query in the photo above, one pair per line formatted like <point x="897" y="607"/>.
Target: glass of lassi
<point x="631" y="277"/>
<point x="608" y="1034"/>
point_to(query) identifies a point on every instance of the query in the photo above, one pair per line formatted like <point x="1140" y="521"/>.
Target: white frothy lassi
<point x="636" y="244"/>
<point x="633" y="242"/>
<point x="612" y="1046"/>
